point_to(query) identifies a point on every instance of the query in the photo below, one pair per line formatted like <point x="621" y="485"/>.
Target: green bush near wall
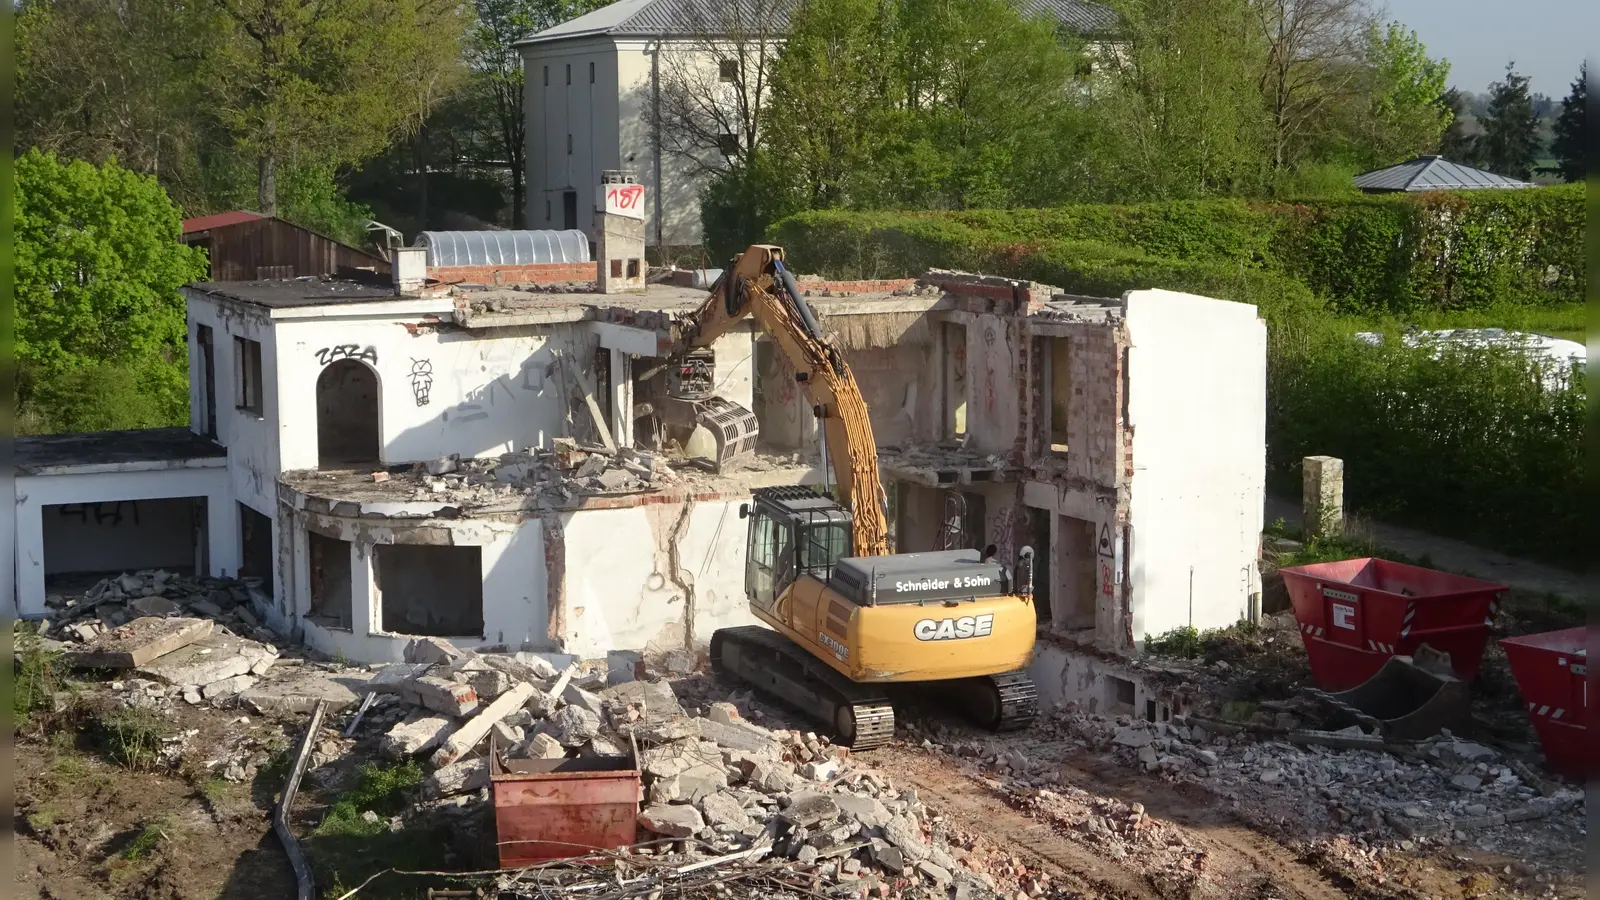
<point x="1390" y="253"/>
<point x="1468" y="444"/>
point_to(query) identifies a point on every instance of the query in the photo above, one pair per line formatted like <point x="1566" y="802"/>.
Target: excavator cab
<point x="793" y="531"/>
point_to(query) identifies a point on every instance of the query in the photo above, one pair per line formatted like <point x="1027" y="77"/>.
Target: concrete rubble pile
<point x="715" y="786"/>
<point x="1301" y="784"/>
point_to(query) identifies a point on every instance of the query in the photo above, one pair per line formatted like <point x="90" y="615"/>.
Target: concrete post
<point x="1322" y="492"/>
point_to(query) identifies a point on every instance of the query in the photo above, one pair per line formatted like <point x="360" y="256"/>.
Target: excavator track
<point x="1004" y="702"/>
<point x="860" y="715"/>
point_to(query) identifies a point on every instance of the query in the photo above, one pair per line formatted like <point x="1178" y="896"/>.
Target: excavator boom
<point x="759" y="285"/>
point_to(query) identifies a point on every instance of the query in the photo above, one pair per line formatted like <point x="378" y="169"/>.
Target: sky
<point x="1548" y="39"/>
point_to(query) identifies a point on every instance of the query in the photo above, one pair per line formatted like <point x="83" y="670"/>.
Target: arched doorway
<point x="347" y="414"/>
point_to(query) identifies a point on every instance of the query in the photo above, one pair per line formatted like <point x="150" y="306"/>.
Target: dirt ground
<point x="1096" y="828"/>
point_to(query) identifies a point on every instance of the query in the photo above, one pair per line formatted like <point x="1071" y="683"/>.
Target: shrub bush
<point x="1393" y="253"/>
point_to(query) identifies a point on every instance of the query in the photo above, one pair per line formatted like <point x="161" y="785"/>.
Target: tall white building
<point x="594" y="89"/>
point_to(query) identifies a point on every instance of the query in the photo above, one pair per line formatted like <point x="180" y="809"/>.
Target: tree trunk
<point x="267" y="183"/>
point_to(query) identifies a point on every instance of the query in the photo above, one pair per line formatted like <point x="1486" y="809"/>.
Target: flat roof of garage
<point x="145" y="448"/>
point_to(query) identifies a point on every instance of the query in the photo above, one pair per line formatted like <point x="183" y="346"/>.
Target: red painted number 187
<point x="626" y="197"/>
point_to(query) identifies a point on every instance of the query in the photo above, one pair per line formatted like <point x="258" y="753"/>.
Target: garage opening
<point x="255" y="540"/>
<point x="431" y="590"/>
<point x="347" y="415"/>
<point x="84" y="542"/>
<point x="330" y="582"/>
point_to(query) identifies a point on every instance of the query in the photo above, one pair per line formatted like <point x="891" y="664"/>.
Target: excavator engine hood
<point x="918" y="577"/>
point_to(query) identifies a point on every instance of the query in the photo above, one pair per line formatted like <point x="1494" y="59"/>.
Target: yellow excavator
<point x="848" y="618"/>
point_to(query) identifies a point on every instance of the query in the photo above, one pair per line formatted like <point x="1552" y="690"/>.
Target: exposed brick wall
<point x="857" y="287"/>
<point x="543" y="273"/>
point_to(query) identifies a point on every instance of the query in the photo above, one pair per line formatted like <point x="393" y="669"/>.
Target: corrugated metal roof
<point x="219" y="220"/>
<point x="1433" y="173"/>
<point x="669" y="18"/>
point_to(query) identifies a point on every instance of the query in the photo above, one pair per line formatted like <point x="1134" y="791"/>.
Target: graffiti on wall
<point x="421" y="380"/>
<point x="109" y="513"/>
<point x="347" y="351"/>
<point x="1003" y="532"/>
<point x="475" y="404"/>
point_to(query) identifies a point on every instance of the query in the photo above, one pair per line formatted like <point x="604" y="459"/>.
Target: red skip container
<point x="1552" y="673"/>
<point x="1356" y="613"/>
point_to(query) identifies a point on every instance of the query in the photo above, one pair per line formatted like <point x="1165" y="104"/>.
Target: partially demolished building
<point x="485" y="455"/>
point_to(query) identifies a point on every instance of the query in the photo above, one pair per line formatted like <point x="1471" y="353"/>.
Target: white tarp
<point x="1558" y="355"/>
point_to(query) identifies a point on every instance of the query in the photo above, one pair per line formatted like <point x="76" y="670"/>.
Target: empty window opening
<point x="430" y="589"/>
<point x="347" y="414"/>
<point x="569" y="206"/>
<point x="1060" y="392"/>
<point x="1150" y="710"/>
<point x="84" y="542"/>
<point x="247" y="375"/>
<point x="633" y="268"/>
<point x="330" y="581"/>
<point x="728" y="70"/>
<point x="1039" y="526"/>
<point x="955" y="380"/>
<point x="208" y="380"/>
<point x="1119" y="696"/>
<point x="1073" y="592"/>
<point x="255" y="545"/>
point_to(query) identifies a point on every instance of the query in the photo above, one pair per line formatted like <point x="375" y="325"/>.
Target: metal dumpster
<point x="1552" y="673"/>
<point x="558" y="808"/>
<point x="1355" y="614"/>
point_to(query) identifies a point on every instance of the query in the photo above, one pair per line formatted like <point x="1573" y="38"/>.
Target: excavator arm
<point x="758" y="285"/>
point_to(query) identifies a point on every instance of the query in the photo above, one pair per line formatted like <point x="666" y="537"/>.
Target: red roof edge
<point x="219" y="220"/>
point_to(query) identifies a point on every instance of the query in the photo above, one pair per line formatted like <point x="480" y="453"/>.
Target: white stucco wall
<point x="1197" y="407"/>
<point x="620" y="592"/>
<point x="34" y="492"/>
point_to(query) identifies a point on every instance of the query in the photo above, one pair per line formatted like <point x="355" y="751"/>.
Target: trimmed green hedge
<point x="1393" y="253"/>
<point x="1468" y="445"/>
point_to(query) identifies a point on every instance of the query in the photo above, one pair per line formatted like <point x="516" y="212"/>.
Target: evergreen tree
<point x="1456" y="144"/>
<point x="1510" y="138"/>
<point x="1571" y="135"/>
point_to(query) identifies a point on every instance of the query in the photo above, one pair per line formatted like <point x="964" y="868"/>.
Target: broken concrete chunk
<point x="160" y="607"/>
<point x="440" y="695"/>
<point x="655" y="697"/>
<point x="906" y="837"/>
<point x="227" y="687"/>
<point x="138" y="642"/>
<point x="574" y="726"/>
<point x="723" y="809"/>
<point x="1133" y="737"/>
<point x="298" y="693"/>
<point x="672" y="821"/>
<point x="725" y="714"/>
<point x="888" y="857"/>
<point x="939" y="875"/>
<point x="458" y="778"/>
<point x="821" y="770"/>
<point x="414" y="735"/>
<point x="520" y="666"/>
<point x="692" y="785"/>
<point x="775" y="777"/>
<point x="468" y="736"/>
<point x="739" y="736"/>
<point x="210" y="659"/>
<point x="506" y="735"/>
<point x="543" y="746"/>
<point x="603" y="746"/>
<point x="577" y="696"/>
<point x="623" y="666"/>
<point x="489" y="683"/>
<point x="863" y="809"/>
<point x="391" y="679"/>
<point x="433" y="651"/>
<point x="811" y="809"/>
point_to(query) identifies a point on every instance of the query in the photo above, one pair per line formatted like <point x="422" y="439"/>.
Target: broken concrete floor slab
<point x="211" y="659"/>
<point x="139" y="642"/>
<point x="297" y="692"/>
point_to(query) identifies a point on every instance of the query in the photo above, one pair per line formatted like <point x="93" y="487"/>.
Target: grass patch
<point x="1186" y="642"/>
<point x="130" y="737"/>
<point x="1356" y="542"/>
<point x="39" y="676"/>
<point x="46" y="815"/>
<point x="346" y="848"/>
<point x="380" y="789"/>
<point x="148" y="838"/>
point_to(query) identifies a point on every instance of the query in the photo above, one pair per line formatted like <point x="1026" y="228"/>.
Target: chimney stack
<point x="410" y="268"/>
<point x="619" y="210"/>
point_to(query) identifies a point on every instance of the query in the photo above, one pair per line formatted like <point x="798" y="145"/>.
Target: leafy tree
<point x="498" y="79"/>
<point x="1182" y="100"/>
<point x="1571" y="144"/>
<point x="1510" y="140"/>
<point x="1407" y="112"/>
<point x="1313" y="50"/>
<point x="98" y="267"/>
<point x="328" y="82"/>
